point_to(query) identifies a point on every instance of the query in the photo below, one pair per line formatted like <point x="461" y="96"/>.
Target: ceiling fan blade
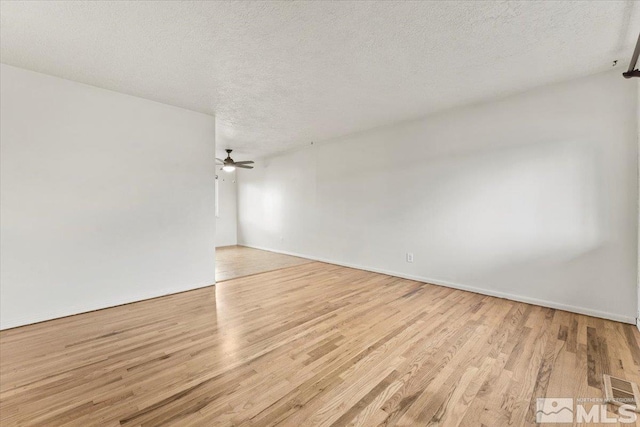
<point x="219" y="161"/>
<point x="243" y="166"/>
<point x="245" y="162"/>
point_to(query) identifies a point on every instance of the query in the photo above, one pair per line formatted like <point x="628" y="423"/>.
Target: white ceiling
<point x="281" y="74"/>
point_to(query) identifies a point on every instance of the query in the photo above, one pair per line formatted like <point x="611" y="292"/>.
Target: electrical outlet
<point x="409" y="256"/>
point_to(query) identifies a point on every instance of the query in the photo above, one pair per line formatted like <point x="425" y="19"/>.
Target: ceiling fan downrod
<point x="633" y="71"/>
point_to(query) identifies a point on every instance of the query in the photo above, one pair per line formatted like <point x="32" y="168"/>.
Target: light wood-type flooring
<point x="240" y="261"/>
<point x="308" y="345"/>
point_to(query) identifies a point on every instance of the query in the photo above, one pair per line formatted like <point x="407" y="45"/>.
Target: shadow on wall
<point x="505" y="206"/>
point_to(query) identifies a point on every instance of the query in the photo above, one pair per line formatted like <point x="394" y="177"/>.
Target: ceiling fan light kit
<point x="229" y="165"/>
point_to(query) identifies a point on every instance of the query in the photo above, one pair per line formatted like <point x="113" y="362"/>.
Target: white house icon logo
<point x="554" y="410"/>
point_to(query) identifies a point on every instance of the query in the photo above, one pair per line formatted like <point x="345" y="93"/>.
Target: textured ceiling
<point x="281" y="74"/>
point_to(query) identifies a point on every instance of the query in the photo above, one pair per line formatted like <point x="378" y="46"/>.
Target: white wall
<point x="226" y="221"/>
<point x="106" y="198"/>
<point x="533" y="197"/>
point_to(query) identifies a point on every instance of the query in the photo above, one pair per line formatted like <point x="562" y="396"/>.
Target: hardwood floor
<point x="240" y="261"/>
<point x="314" y="344"/>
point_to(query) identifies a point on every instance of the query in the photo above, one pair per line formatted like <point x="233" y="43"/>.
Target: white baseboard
<point x="59" y="312"/>
<point x="482" y="291"/>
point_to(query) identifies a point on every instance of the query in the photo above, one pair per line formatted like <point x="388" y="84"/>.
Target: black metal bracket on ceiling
<point x="633" y="71"/>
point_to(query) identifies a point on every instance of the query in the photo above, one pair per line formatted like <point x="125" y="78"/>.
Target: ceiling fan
<point x="228" y="165"/>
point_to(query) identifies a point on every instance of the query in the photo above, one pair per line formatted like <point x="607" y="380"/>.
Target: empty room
<point x="319" y="213"/>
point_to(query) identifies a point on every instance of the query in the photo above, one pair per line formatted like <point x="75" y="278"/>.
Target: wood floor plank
<point x="310" y="344"/>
